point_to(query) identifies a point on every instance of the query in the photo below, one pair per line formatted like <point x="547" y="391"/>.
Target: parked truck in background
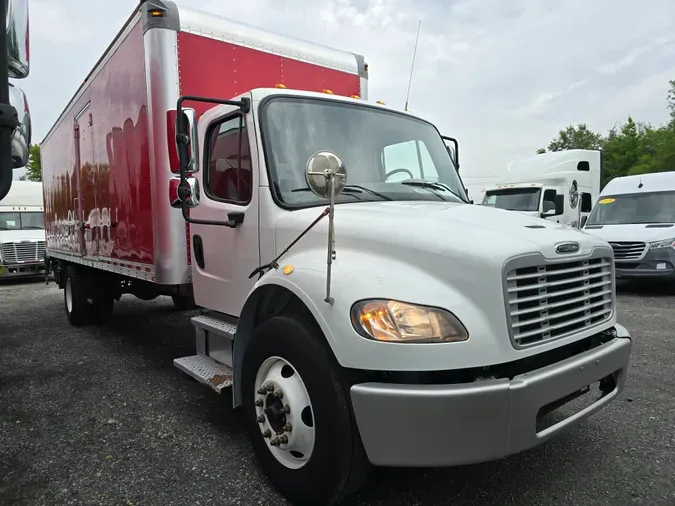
<point x="636" y="215"/>
<point x="22" y="231"/>
<point x="15" y="124"/>
<point x="352" y="317"/>
<point x="559" y="186"/>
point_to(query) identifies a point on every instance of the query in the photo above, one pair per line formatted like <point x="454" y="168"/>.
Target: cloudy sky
<point x="501" y="76"/>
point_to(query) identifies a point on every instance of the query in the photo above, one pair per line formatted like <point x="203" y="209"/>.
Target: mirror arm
<point x="274" y="264"/>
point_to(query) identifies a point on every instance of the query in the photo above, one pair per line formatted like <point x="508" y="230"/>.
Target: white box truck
<point x="357" y="319"/>
<point x="22" y="231"/>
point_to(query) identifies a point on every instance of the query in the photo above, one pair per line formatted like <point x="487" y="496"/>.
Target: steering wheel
<point x="396" y="171"/>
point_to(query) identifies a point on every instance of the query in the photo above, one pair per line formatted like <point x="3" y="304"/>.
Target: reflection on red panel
<point x="234" y="70"/>
<point x="98" y="204"/>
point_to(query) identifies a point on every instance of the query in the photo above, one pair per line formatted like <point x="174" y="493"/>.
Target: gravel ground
<point x="101" y="416"/>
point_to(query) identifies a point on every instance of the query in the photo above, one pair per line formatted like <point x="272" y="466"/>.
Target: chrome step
<point x="206" y="370"/>
<point x="219" y="326"/>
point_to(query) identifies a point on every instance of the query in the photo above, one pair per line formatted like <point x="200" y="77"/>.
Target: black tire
<point x="78" y="309"/>
<point x="338" y="465"/>
<point x="183" y="302"/>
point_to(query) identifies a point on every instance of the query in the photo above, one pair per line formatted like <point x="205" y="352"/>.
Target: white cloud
<point x="502" y="77"/>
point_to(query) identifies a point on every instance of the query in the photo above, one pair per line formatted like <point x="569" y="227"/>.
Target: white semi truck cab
<point x="22" y="231"/>
<point x="362" y="317"/>
<point x="559" y="186"/>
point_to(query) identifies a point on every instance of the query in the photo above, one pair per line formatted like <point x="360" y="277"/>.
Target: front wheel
<point x="299" y="418"/>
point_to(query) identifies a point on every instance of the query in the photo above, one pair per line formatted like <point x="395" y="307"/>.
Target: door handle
<point x="234" y="219"/>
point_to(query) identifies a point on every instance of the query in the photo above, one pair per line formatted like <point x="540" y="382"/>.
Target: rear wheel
<point x="298" y="414"/>
<point x="78" y="309"/>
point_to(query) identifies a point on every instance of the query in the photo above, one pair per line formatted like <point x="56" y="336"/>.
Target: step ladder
<point x="212" y="333"/>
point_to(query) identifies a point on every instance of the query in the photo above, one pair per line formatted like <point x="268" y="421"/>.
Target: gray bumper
<point x="658" y="263"/>
<point x="447" y="425"/>
<point x="25" y="269"/>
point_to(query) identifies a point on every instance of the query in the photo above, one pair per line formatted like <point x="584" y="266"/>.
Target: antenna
<point x="412" y="67"/>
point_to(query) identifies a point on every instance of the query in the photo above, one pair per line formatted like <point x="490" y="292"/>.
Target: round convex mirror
<point x="321" y="166"/>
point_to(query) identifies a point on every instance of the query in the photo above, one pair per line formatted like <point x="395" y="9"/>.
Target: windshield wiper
<point x="431" y="185"/>
<point x="352" y="189"/>
<point x="356" y="187"/>
<point x="350" y="193"/>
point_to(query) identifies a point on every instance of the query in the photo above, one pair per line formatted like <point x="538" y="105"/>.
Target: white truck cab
<point x="559" y="186"/>
<point x="366" y="318"/>
<point x="22" y="231"/>
<point x="636" y="215"/>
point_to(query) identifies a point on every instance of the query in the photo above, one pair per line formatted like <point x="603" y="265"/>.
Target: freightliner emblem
<point x="567" y="247"/>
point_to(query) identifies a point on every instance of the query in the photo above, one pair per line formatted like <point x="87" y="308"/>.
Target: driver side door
<point x="224" y="256"/>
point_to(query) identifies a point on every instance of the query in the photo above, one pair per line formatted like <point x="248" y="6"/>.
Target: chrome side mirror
<point x="325" y="174"/>
<point x="187" y="125"/>
<point x="21" y="136"/>
<point x="189" y="192"/>
<point x="16" y="26"/>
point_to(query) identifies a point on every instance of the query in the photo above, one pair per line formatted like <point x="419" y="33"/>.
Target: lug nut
<point x="286" y="409"/>
<point x="278" y="394"/>
<point x="287" y="427"/>
<point x="267" y="434"/>
<point x="259" y="403"/>
<point x="260" y="419"/>
<point x="283" y="440"/>
<point x="262" y="391"/>
<point x="275" y="442"/>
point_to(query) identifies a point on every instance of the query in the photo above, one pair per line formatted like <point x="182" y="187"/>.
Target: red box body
<point x="107" y="161"/>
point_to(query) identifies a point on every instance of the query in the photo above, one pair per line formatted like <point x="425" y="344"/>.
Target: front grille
<point x="550" y="301"/>
<point x="26" y="251"/>
<point x="628" y="250"/>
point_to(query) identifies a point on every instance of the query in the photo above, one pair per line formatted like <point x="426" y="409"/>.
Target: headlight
<point x="393" y="321"/>
<point x="666" y="243"/>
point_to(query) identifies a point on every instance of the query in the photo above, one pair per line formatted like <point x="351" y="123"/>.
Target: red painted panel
<point x="112" y="177"/>
<point x="235" y="69"/>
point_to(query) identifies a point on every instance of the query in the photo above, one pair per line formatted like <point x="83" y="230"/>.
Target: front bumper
<point x="658" y="263"/>
<point x="448" y="425"/>
<point x="25" y="269"/>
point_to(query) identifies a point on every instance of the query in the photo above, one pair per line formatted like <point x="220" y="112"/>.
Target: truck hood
<point x="21" y="235"/>
<point x="632" y="232"/>
<point x="441" y="228"/>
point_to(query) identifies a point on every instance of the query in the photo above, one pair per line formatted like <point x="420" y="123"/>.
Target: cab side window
<point x="225" y="179"/>
<point x="412" y="156"/>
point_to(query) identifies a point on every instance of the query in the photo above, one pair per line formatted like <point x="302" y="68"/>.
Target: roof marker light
<point x="329" y="92"/>
<point x="280" y="85"/>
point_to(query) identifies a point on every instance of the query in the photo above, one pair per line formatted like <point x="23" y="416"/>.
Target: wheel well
<point x="266" y="302"/>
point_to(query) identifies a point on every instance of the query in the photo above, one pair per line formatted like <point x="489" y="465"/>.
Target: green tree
<point x="670" y="101"/>
<point x="575" y="137"/>
<point x="34" y="165"/>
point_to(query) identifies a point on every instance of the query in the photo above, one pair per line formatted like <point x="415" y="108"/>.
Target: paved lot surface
<point x="101" y="416"/>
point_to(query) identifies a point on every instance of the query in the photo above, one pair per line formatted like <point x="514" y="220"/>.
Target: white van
<point x="636" y="215"/>
<point x="22" y="230"/>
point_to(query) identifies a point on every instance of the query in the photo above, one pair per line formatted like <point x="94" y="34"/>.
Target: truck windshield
<point x="513" y="199"/>
<point x="634" y="208"/>
<point x="22" y="221"/>
<point x="388" y="155"/>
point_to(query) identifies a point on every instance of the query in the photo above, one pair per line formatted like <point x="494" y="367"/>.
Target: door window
<point x="226" y="179"/>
